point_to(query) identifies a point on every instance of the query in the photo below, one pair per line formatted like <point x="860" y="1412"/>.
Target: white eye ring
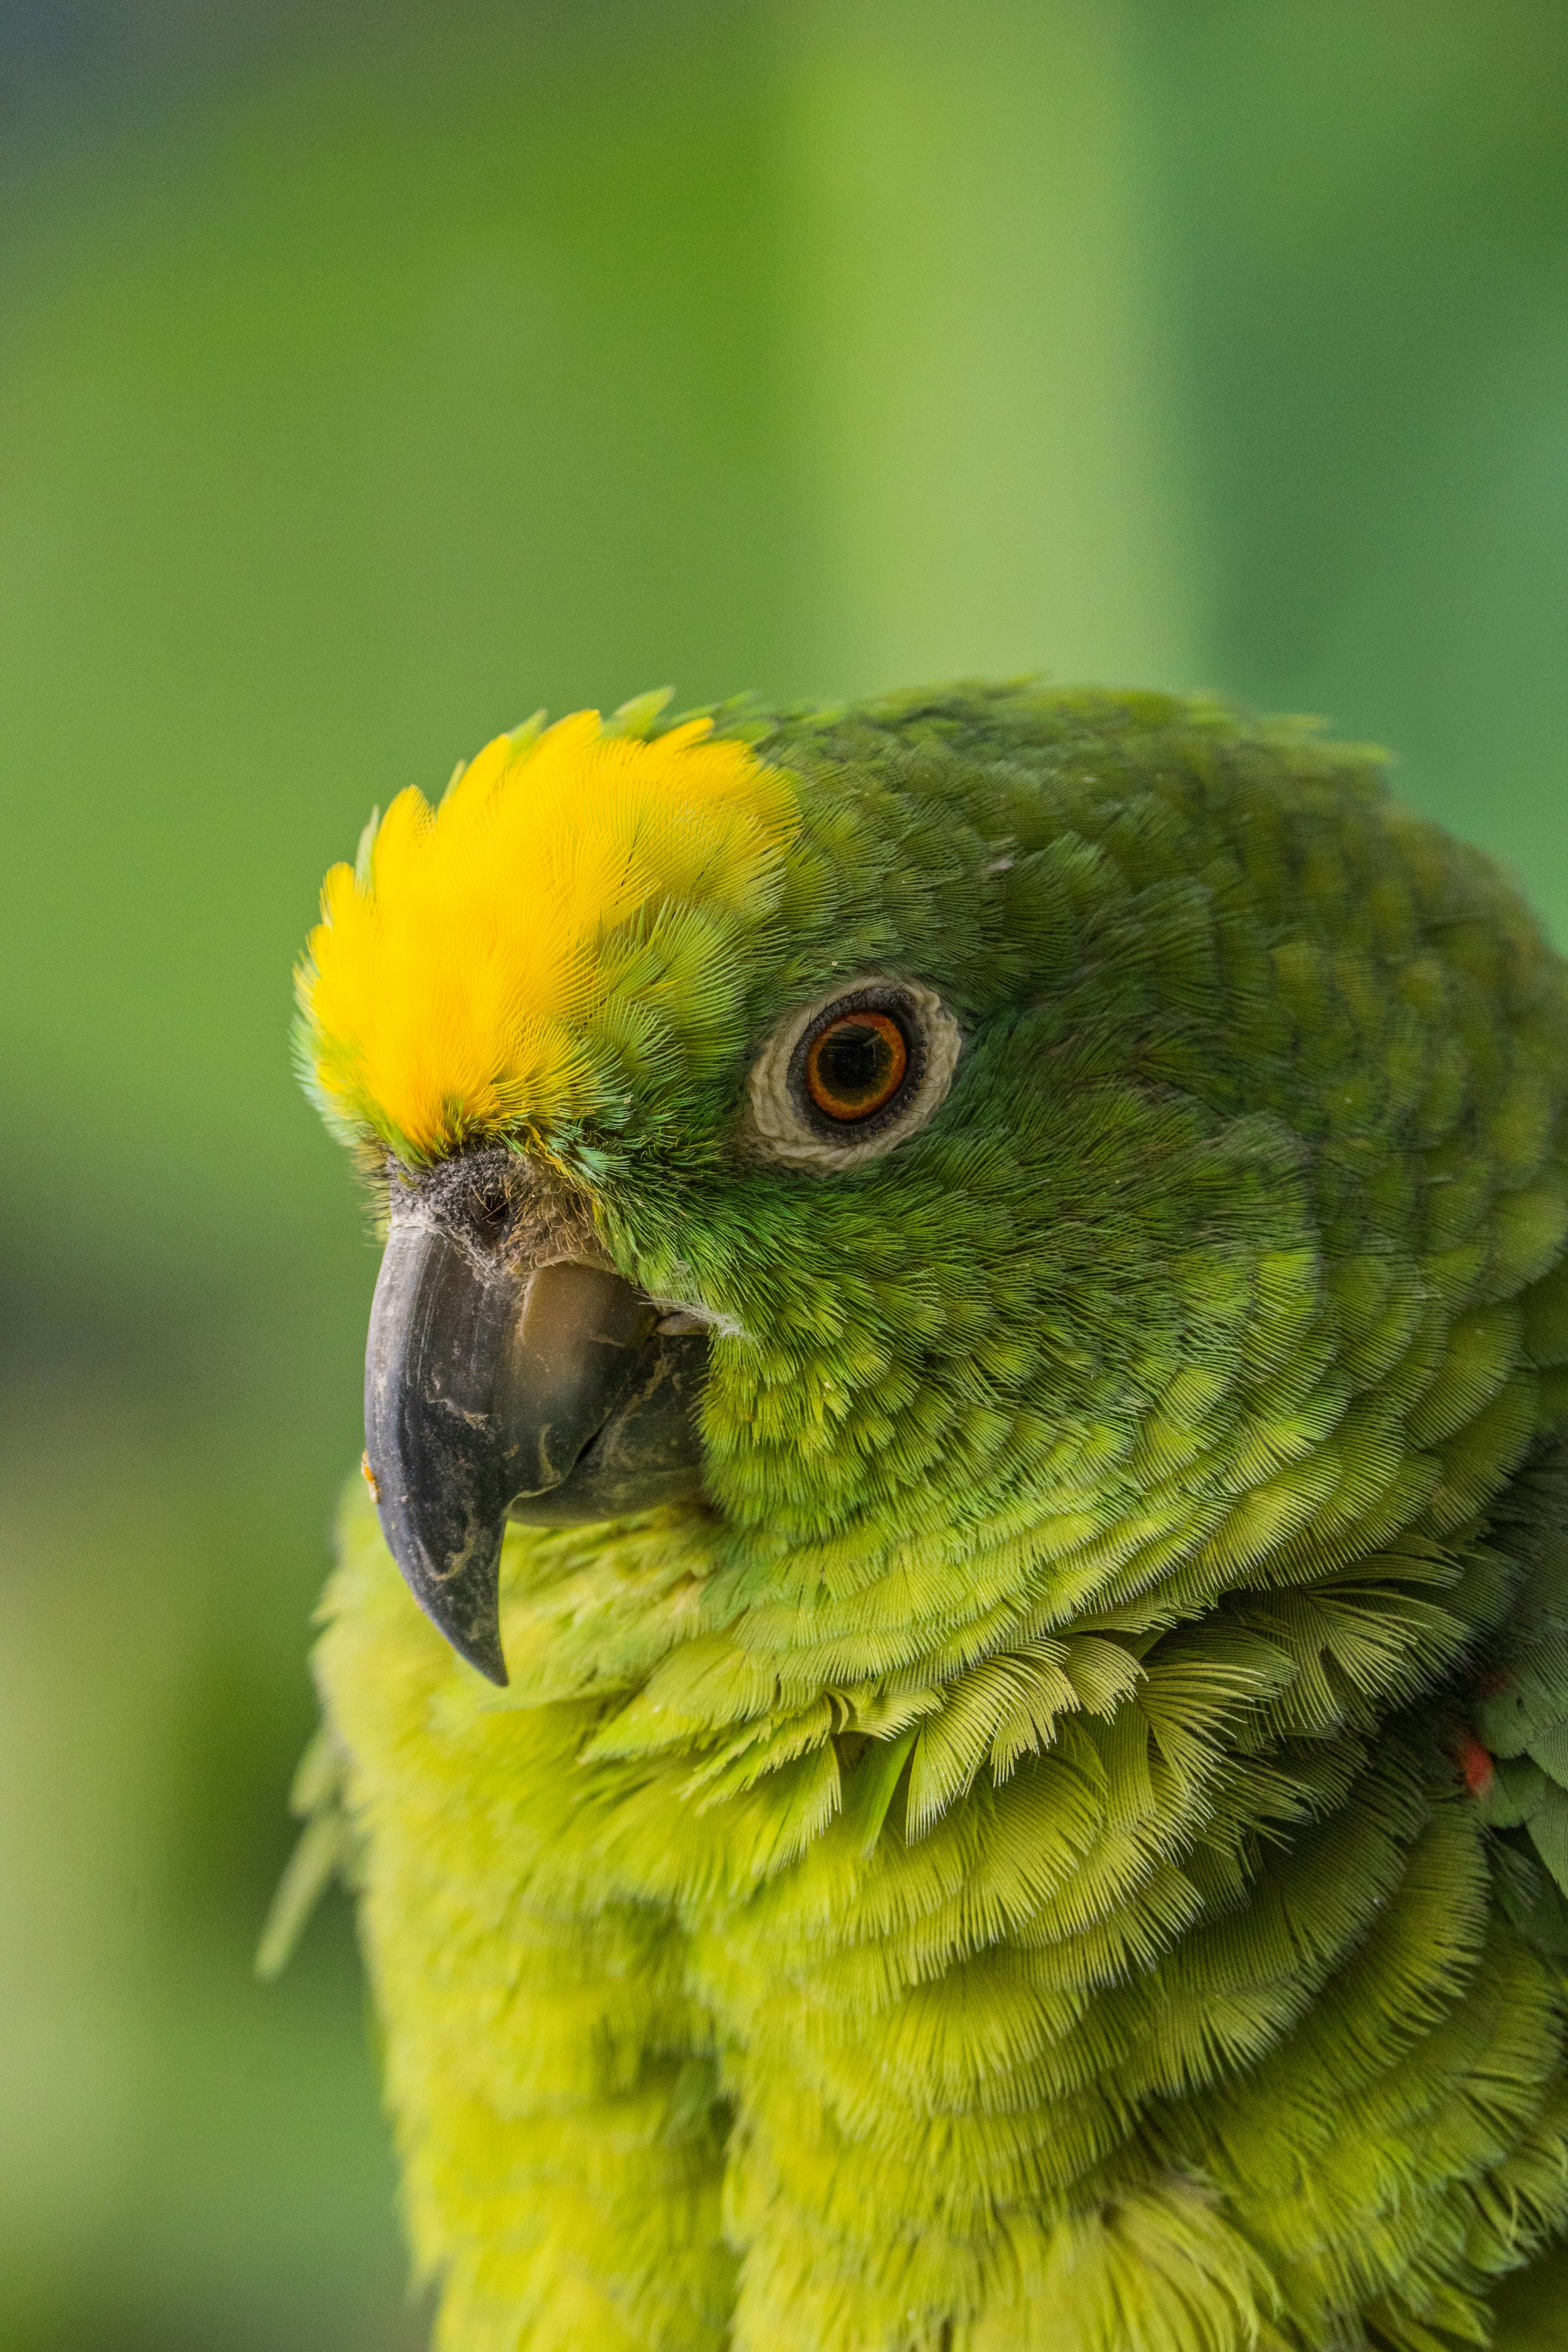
<point x="783" y="1124"/>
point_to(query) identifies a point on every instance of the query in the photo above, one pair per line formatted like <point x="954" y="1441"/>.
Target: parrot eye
<point x="846" y="1078"/>
<point x="855" y="1064"/>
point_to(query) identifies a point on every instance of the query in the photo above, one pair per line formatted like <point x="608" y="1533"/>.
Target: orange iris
<point x="856" y="1064"/>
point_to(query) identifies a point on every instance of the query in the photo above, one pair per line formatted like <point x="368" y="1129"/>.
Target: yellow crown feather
<point x="575" y="890"/>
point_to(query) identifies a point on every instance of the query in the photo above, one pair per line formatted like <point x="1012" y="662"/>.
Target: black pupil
<point x="855" y="1060"/>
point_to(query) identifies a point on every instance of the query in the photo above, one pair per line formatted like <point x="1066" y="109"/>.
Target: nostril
<point x="491" y="1210"/>
<point x="502" y="1204"/>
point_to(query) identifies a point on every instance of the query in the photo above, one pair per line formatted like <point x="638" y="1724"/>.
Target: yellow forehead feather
<point x="571" y="899"/>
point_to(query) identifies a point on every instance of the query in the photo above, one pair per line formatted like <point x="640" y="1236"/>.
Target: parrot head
<point x="883" y="1133"/>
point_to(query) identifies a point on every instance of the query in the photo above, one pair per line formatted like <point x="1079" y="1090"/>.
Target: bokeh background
<point x="372" y="375"/>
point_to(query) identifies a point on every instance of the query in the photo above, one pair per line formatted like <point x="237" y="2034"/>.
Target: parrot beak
<point x="497" y="1386"/>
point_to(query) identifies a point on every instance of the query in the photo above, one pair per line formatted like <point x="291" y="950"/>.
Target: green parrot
<point x="969" y="1377"/>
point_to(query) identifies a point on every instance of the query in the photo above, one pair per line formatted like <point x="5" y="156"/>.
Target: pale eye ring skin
<point x="845" y="1078"/>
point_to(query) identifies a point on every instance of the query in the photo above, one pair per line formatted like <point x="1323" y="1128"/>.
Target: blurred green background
<point x="371" y="377"/>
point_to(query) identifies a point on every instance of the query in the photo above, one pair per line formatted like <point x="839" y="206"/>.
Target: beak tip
<point x="472" y="1630"/>
<point x="460" y="1595"/>
<point x="487" y="1659"/>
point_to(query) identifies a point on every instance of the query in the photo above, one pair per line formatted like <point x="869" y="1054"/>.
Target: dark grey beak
<point x="496" y="1386"/>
